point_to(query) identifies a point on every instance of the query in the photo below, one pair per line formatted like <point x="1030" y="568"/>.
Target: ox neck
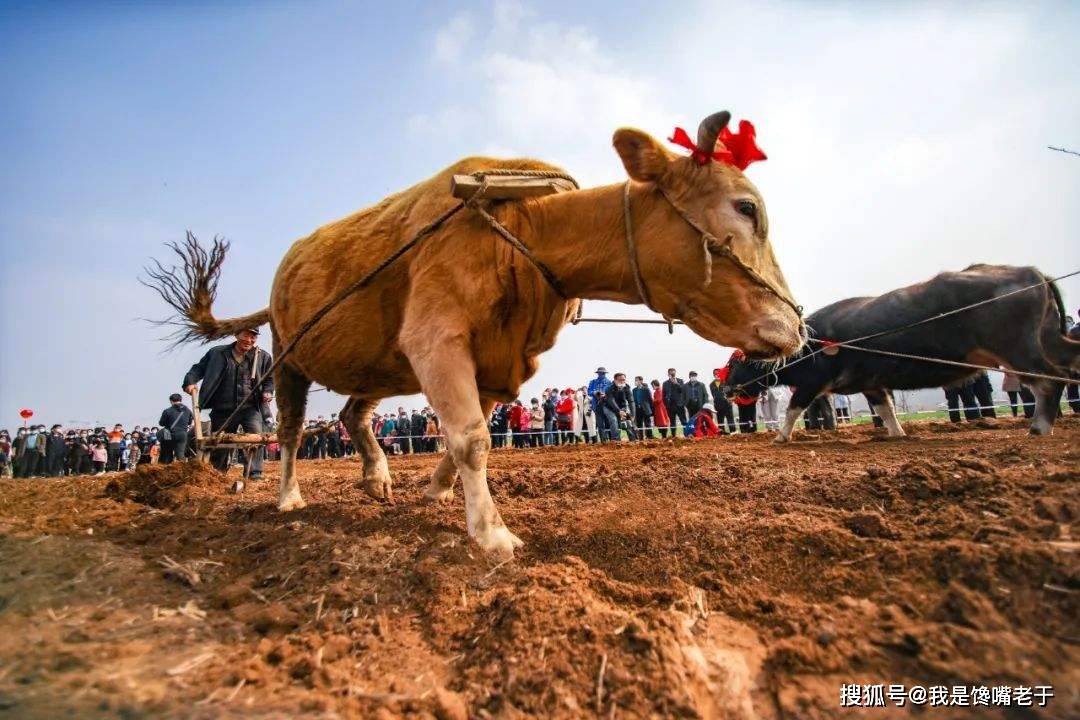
<point x="581" y="236"/>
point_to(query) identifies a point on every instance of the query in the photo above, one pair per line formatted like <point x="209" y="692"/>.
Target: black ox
<point x="1024" y="332"/>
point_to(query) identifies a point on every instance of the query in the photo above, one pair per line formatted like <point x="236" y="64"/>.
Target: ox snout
<point x="775" y="338"/>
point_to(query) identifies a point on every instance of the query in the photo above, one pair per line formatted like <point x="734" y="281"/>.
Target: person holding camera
<point x="236" y="384"/>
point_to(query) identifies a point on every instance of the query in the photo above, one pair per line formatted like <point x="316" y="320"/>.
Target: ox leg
<point x="800" y="400"/>
<point x="790" y="418"/>
<point x="447" y="374"/>
<point x="1047" y="406"/>
<point x="292" y="390"/>
<point x="883" y="406"/>
<point x="441" y="487"/>
<point x="357" y="418"/>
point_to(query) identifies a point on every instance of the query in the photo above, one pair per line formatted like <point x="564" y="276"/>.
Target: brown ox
<point x="463" y="316"/>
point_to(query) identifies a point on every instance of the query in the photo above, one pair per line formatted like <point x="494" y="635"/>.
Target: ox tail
<point x="1060" y="349"/>
<point x="190" y="290"/>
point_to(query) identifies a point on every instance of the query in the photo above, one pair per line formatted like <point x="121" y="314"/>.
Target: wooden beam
<point x="508" y="187"/>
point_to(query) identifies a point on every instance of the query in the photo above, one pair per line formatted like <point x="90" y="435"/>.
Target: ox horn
<point x="709" y="130"/>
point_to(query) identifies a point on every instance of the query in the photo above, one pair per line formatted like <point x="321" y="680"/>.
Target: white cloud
<point x="452" y="40"/>
<point x="902" y="141"/>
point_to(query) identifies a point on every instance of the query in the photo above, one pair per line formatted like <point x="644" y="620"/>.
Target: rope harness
<point x="710" y="244"/>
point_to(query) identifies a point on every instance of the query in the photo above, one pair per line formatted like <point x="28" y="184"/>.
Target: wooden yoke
<point x="508" y="187"/>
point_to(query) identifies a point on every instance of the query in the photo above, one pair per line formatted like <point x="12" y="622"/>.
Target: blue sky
<point x="902" y="142"/>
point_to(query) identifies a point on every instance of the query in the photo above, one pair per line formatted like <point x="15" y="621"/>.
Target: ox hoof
<point x="438" y="494"/>
<point x="380" y="488"/>
<point x="237" y="487"/>
<point x="1038" y="430"/>
<point x="291" y="502"/>
<point x="780" y="440"/>
<point x="498" y="542"/>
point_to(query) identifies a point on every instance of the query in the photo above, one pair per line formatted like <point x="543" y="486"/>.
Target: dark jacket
<point x="643" y="399"/>
<point x="696" y="394"/>
<point x="674" y="392"/>
<point x="176" y="419"/>
<point x="55" y="445"/>
<point x="211" y="369"/>
<point x="621" y="399"/>
<point x="719" y="394"/>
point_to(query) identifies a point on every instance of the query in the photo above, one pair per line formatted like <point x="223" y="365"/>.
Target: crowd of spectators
<point x="603" y="410"/>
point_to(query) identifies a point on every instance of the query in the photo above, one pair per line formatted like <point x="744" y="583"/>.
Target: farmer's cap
<point x="693" y="373"/>
<point x="252" y="330"/>
<point x="601" y="370"/>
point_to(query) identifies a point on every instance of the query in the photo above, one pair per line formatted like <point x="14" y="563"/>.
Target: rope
<point x="631" y="250"/>
<point x="942" y="361"/>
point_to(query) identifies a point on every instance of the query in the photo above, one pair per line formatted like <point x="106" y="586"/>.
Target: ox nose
<point x="784" y="337"/>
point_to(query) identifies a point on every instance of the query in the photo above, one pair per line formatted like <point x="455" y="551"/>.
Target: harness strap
<point x="631" y="250"/>
<point x="713" y="245"/>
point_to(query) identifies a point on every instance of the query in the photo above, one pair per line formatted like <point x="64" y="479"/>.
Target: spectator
<point x="78" y="462"/>
<point x="984" y="394"/>
<point x="550" y="398"/>
<point x="674" y="400"/>
<point x="586" y="420"/>
<point x="100" y="456"/>
<point x="536" y="424"/>
<point x="236" y="383"/>
<point x="663" y="421"/>
<point x="564" y="416"/>
<point x="404" y="432"/>
<point x="599" y="384"/>
<point x="498" y="424"/>
<point x="55" y="452"/>
<point x="843" y="409"/>
<point x="746" y="404"/>
<point x="519" y="424"/>
<point x="961" y="392"/>
<point x="116" y="445"/>
<point x="770" y="408"/>
<point x="819" y="414"/>
<point x="33" y="453"/>
<point x="134" y="453"/>
<point x="5" y="454"/>
<point x="704" y="425"/>
<point x="1010" y="385"/>
<point x="725" y="414"/>
<point x="697" y="394"/>
<point x="619" y="409"/>
<point x="643" y="408"/>
<point x="176" y="421"/>
<point x="431" y="430"/>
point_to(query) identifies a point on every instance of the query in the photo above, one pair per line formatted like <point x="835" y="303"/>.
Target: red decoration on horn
<point x="739" y="149"/>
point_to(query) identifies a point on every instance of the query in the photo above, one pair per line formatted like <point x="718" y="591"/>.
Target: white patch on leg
<point x="790" y="418"/>
<point x="888" y="416"/>
<point x="289" y="493"/>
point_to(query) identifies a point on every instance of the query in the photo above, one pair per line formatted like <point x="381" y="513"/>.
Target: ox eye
<point x="747" y="208"/>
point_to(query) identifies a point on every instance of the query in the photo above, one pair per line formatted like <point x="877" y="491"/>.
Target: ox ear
<point x="645" y="159"/>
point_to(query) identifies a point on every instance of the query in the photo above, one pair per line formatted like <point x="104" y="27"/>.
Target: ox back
<point x="1024" y="332"/>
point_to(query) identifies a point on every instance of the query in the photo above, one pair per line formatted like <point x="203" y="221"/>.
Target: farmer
<point x="236" y="383"/>
<point x="643" y="407"/>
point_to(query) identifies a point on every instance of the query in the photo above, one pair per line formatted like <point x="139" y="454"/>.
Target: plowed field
<point x="726" y="578"/>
